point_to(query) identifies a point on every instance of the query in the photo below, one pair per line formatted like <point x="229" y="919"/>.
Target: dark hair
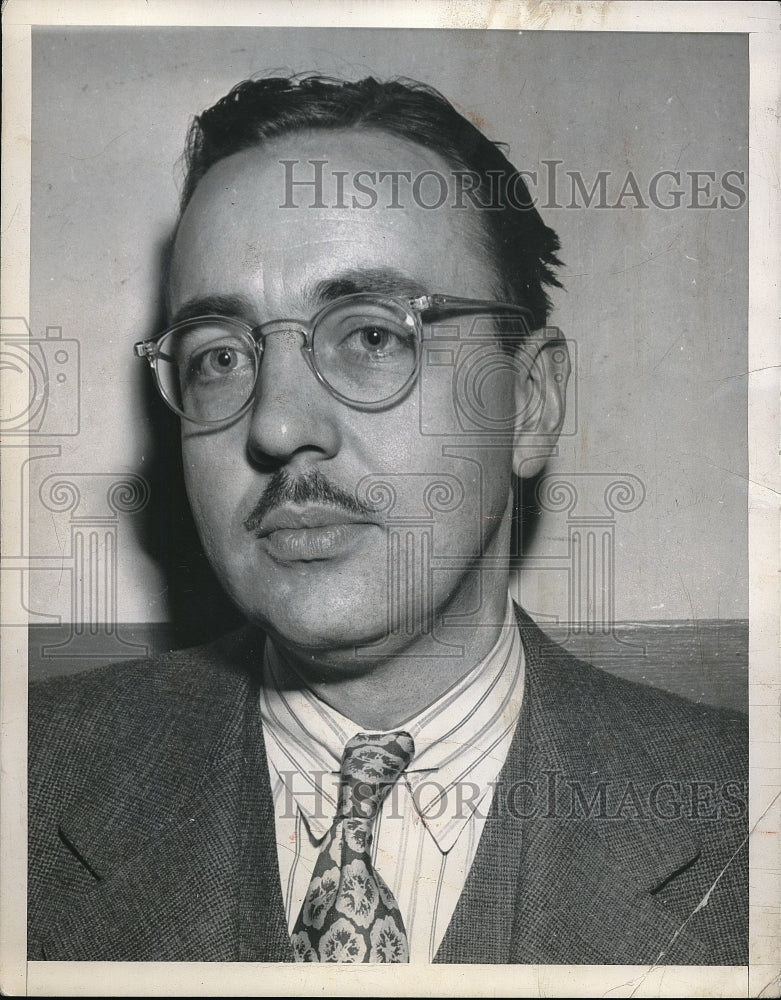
<point x="524" y="248"/>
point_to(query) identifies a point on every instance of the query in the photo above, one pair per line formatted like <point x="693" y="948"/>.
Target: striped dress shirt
<point x="427" y="832"/>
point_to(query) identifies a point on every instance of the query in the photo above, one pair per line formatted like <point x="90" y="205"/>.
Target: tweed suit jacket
<point x="617" y="834"/>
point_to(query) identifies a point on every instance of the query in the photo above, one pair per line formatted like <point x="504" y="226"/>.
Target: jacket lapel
<point x="177" y="835"/>
<point x="480" y="930"/>
<point x="262" y="923"/>
<point x="576" y="905"/>
<point x="585" y="887"/>
<point x="549" y="882"/>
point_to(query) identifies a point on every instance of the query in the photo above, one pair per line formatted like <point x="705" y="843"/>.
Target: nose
<point x="294" y="417"/>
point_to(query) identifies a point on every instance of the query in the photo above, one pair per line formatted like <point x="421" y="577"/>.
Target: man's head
<point x="332" y="525"/>
<point x="522" y="247"/>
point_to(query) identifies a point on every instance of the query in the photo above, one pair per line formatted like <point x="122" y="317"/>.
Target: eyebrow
<point x="351" y="281"/>
<point x="237" y="306"/>
<point x="384" y="280"/>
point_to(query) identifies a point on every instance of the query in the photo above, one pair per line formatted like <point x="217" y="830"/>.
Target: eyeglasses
<point x="364" y="348"/>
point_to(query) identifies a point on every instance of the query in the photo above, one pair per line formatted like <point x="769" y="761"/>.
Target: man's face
<point x="320" y="577"/>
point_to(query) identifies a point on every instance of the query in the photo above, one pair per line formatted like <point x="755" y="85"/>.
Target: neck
<point x="381" y="690"/>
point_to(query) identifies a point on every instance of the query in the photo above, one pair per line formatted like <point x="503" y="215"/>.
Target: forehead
<point x="274" y="222"/>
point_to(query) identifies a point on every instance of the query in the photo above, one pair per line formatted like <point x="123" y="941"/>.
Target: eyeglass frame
<point x="415" y="307"/>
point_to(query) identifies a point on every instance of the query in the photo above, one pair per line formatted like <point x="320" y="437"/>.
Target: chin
<point x="318" y="628"/>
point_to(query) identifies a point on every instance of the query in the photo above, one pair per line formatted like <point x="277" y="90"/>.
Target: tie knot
<point x="370" y="766"/>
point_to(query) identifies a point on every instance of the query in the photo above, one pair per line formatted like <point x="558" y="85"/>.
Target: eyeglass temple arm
<point x="148" y="349"/>
<point x="424" y="303"/>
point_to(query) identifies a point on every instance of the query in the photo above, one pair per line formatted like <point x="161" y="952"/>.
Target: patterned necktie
<point x="349" y="914"/>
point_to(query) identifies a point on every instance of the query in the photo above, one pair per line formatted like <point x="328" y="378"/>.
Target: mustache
<point x="312" y="487"/>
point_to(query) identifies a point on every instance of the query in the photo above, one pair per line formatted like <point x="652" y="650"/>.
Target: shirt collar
<point x="461" y="741"/>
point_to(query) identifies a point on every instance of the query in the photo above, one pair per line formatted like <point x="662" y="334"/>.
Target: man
<point x="390" y="762"/>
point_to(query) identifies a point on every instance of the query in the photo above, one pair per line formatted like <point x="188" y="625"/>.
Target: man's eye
<point x="378" y="342"/>
<point x="219" y="361"/>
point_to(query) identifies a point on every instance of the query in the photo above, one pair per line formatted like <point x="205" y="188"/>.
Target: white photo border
<point x="761" y="21"/>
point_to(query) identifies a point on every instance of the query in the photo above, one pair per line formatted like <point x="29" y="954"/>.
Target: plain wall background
<point x="655" y="300"/>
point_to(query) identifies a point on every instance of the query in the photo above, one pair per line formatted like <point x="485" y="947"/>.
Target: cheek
<point x="210" y="489"/>
<point x="467" y="401"/>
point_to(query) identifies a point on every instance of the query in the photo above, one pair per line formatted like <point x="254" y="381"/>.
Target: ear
<point x="542" y="371"/>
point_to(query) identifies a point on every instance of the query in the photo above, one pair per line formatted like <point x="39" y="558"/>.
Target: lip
<point x="293" y="518"/>
<point x="292" y="534"/>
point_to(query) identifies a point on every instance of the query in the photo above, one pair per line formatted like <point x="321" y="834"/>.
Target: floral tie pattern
<point x="349" y="914"/>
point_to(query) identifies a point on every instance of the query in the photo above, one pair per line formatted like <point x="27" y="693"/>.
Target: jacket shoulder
<point x="633" y="726"/>
<point x="100" y="720"/>
<point x="209" y="669"/>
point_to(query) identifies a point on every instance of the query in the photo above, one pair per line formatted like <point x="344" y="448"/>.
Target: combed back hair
<point x="522" y="246"/>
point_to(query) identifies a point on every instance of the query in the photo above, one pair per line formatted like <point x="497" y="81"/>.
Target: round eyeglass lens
<point x="366" y="349"/>
<point x="207" y="369"/>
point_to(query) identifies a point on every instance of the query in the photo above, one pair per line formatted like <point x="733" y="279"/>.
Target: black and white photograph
<point x="390" y="532"/>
